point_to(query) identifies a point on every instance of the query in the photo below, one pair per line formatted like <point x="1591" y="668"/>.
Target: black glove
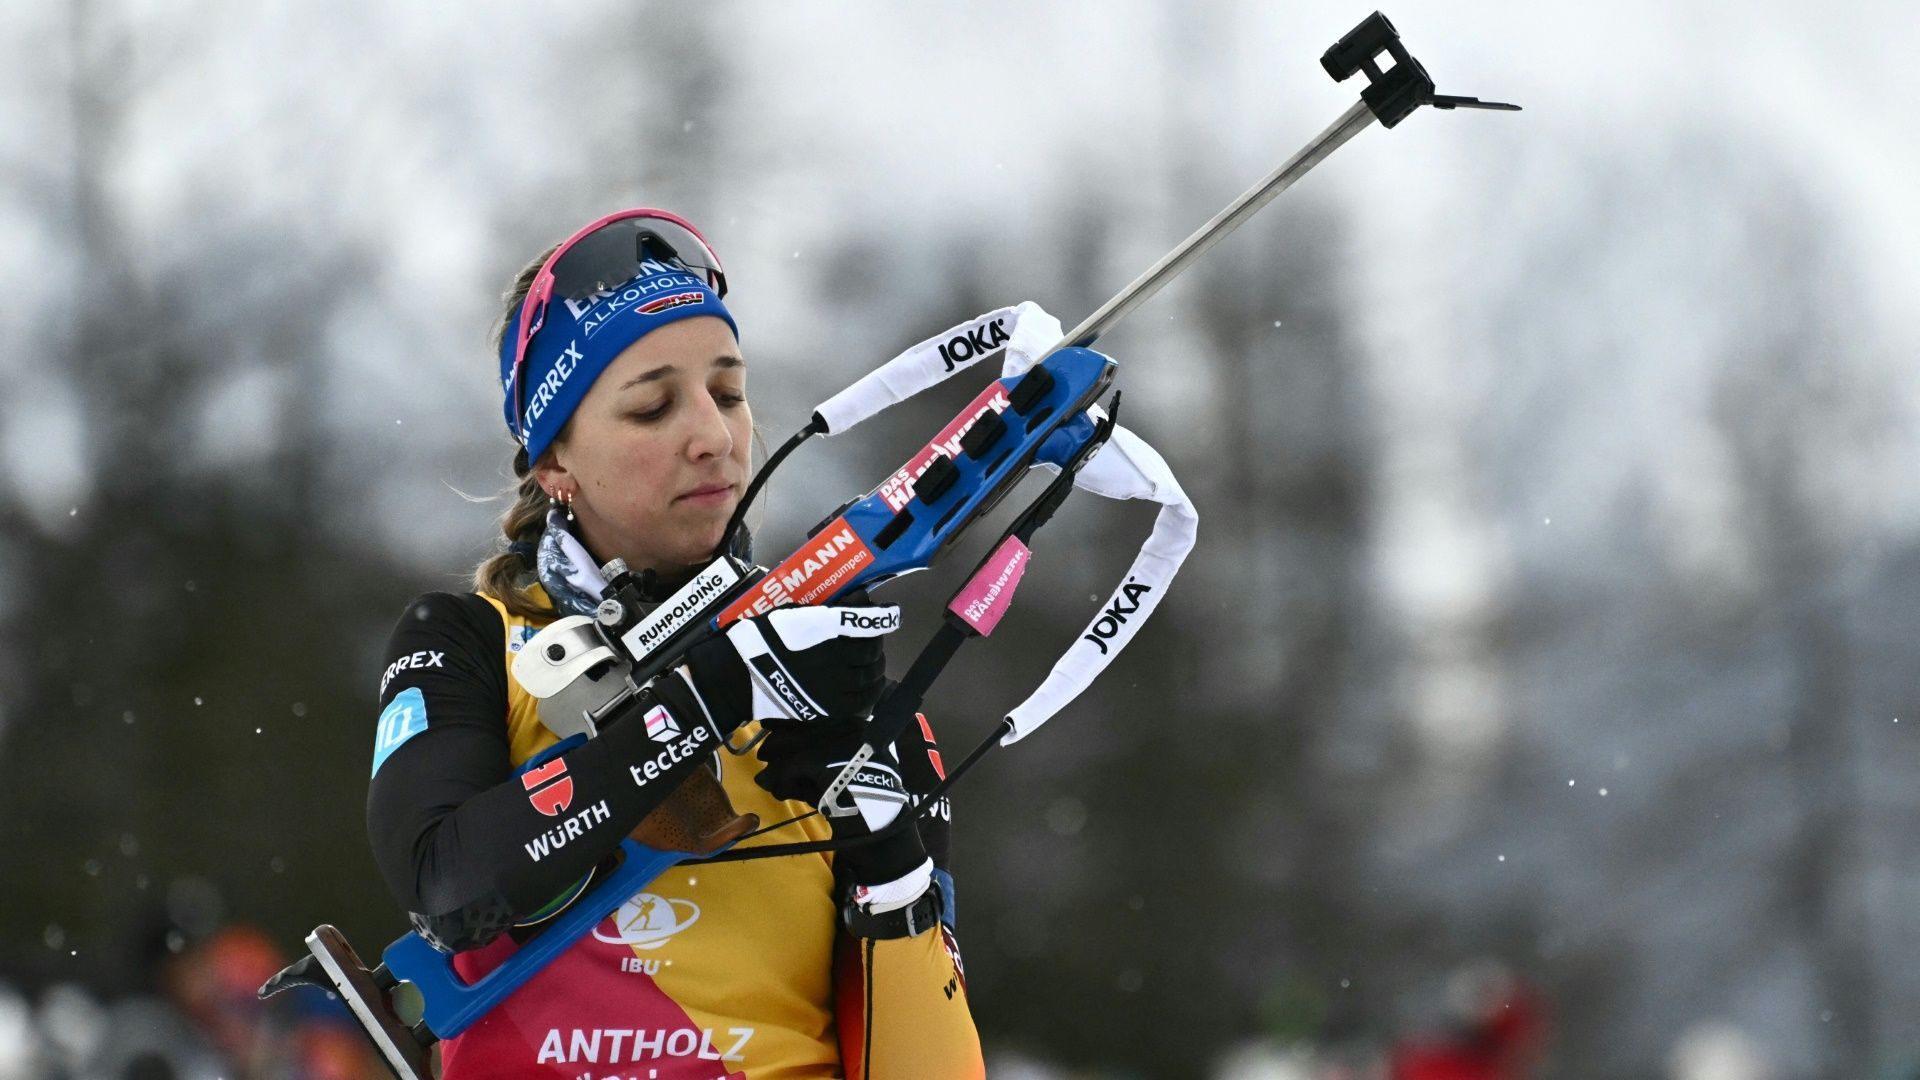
<point x="795" y="663"/>
<point x="802" y="759"/>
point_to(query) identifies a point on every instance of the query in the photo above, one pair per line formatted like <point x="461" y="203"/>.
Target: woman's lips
<point x="707" y="495"/>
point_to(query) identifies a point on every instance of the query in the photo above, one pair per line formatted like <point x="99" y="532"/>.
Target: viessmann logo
<point x="807" y="575"/>
<point x="646" y="921"/>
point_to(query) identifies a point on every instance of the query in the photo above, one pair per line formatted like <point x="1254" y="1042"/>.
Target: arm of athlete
<point x="912" y="991"/>
<point x="464" y="845"/>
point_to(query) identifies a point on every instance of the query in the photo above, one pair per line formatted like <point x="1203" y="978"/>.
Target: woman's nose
<point x="709" y="435"/>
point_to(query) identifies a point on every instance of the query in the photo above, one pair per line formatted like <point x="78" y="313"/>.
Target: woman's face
<point x="656" y="454"/>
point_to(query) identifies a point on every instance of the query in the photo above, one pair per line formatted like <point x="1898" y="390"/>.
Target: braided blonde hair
<point x="506" y="574"/>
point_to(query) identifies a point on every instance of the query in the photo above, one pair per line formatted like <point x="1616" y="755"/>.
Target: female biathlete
<point x="625" y="386"/>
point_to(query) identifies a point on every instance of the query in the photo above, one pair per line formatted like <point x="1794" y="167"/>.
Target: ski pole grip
<point x="1357" y="48"/>
<point x="1397" y="91"/>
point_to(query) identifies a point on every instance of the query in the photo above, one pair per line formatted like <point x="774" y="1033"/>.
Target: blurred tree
<point x="1785" y="398"/>
<point x="181" y="701"/>
<point x="1677" y="812"/>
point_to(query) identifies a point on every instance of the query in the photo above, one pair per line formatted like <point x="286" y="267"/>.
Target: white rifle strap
<point x="1125" y="468"/>
<point x="936" y="360"/>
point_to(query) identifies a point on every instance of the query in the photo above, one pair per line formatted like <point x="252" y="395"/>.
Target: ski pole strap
<point x="1126" y="468"/>
<point x="1026" y="328"/>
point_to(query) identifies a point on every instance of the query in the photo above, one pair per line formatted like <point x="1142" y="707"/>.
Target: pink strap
<point x="986" y="597"/>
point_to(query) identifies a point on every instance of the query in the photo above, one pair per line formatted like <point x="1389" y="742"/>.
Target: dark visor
<point x="614" y="252"/>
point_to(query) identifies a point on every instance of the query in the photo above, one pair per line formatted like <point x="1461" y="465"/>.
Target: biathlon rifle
<point x="1042" y="412"/>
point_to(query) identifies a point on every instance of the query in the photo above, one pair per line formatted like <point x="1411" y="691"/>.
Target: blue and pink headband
<point x="578" y="324"/>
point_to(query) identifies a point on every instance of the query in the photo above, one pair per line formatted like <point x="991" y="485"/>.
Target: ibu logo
<point x="646" y="921"/>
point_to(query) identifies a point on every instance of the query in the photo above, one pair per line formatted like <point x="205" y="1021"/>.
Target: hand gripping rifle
<point x="1041" y="412"/>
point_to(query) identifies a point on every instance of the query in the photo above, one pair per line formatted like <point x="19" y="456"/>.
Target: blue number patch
<point x="402" y="719"/>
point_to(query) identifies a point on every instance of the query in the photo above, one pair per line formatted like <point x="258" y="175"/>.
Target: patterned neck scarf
<point x="573" y="581"/>
<point x="568" y="573"/>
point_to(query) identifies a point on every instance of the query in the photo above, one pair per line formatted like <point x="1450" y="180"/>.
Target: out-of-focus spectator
<point x="1501" y="1032"/>
<point x="213" y="985"/>
<point x="302" y="1036"/>
<point x="199" y="1018"/>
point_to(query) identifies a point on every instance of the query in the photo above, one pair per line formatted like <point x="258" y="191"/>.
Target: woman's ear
<point x="551" y="475"/>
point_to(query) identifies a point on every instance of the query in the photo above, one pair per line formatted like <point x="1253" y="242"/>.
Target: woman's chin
<point x="712" y="522"/>
<point x="703" y="540"/>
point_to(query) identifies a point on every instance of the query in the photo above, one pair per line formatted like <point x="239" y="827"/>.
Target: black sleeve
<point x="466" y="845"/>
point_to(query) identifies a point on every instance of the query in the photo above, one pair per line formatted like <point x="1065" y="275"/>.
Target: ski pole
<point x="1170" y="266"/>
<point x="1390" y="96"/>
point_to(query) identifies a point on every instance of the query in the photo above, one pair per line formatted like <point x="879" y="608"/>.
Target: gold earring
<point x="569" y="506"/>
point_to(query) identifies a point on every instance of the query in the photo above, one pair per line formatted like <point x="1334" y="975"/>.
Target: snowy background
<point x="1549" y="642"/>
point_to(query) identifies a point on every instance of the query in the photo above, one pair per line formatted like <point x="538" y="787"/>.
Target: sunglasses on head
<point x="600" y="256"/>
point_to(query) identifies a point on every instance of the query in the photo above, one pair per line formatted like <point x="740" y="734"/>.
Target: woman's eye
<point x="729" y="398"/>
<point x="650" y="415"/>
